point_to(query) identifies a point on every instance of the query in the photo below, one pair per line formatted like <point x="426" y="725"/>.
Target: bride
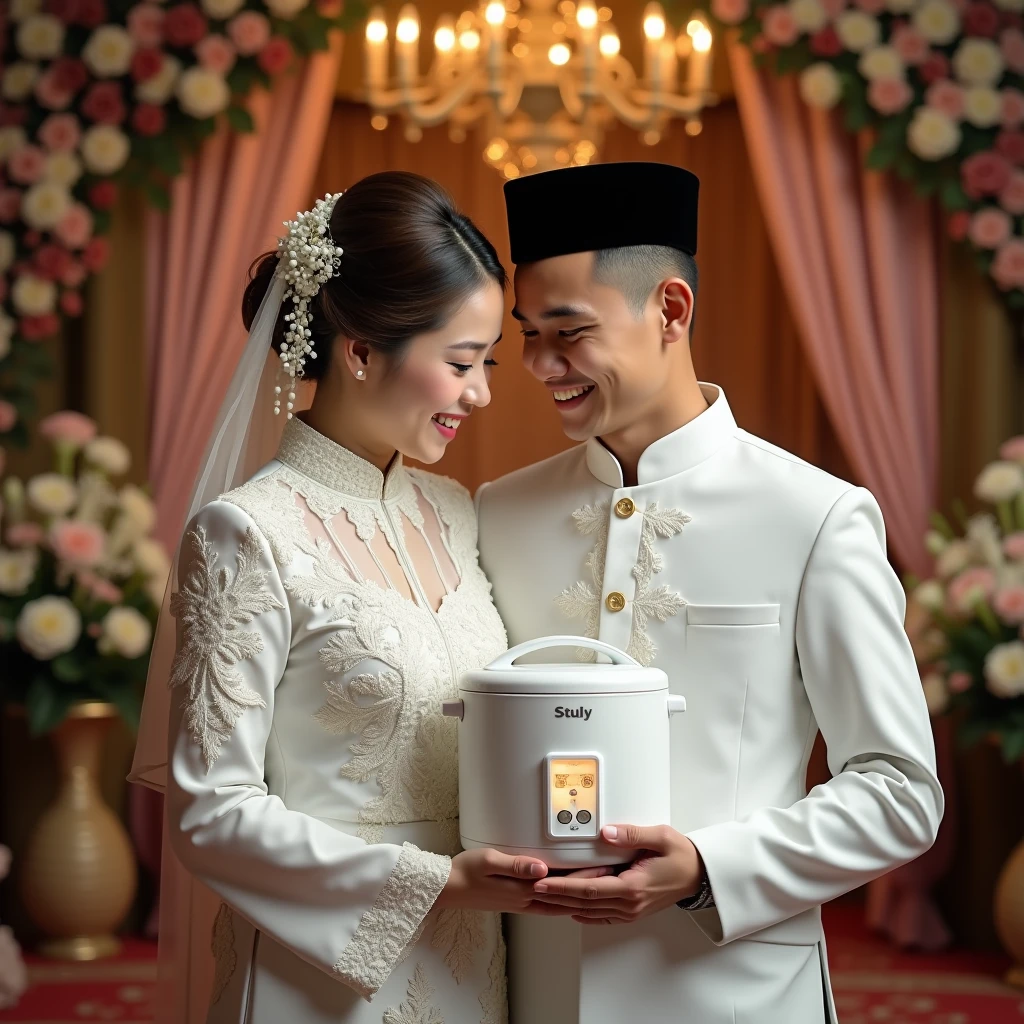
<point x="323" y="608"/>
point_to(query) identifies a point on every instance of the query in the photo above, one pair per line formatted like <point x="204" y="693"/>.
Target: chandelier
<point x="543" y="82"/>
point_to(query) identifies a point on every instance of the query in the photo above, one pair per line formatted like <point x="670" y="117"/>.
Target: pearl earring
<point x="360" y="374"/>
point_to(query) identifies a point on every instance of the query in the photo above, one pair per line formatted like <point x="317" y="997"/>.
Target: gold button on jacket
<point x="615" y="602"/>
<point x="624" y="508"/>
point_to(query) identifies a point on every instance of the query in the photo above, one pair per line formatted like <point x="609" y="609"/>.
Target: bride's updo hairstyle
<point x="410" y="260"/>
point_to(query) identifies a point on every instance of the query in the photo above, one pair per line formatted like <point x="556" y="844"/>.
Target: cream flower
<point x="999" y="481"/>
<point x="22" y="9"/>
<point x="8" y="249"/>
<point x="18" y="81"/>
<point x="936" y="695"/>
<point x="931" y="135"/>
<point x="954" y="559"/>
<point x="126" y="632"/>
<point x="881" y="62"/>
<point x="938" y="21"/>
<point x="63" y="168"/>
<point x="930" y="595"/>
<point x="978" y="62"/>
<point x="985" y="540"/>
<point x="289" y="8"/>
<point x="935" y="543"/>
<point x="160" y="88"/>
<point x="12" y="138"/>
<point x="857" y="31"/>
<point x="17" y="570"/>
<point x="108" y="52"/>
<point x="152" y="560"/>
<point x="40" y="37"/>
<point x="108" y="454"/>
<point x="33" y="296"/>
<point x="49" y="626"/>
<point x="1004" y="670"/>
<point x="221" y="10"/>
<point x="820" y="86"/>
<point x="202" y="93"/>
<point x="983" y="107"/>
<point x="52" y="494"/>
<point x="43" y="206"/>
<point x="105" y="149"/>
<point x="138" y="508"/>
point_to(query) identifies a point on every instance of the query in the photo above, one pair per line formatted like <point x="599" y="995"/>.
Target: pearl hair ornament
<point x="307" y="258"/>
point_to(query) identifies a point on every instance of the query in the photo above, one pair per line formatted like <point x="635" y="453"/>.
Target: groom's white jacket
<point x="760" y="585"/>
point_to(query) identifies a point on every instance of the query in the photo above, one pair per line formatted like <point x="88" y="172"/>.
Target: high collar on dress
<point x="328" y="463"/>
<point x="674" y="453"/>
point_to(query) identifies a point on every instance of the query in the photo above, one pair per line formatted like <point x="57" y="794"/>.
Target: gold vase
<point x="78" y="876"/>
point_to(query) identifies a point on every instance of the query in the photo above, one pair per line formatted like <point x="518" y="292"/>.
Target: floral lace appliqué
<point x="416" y="1009"/>
<point x="583" y="599"/>
<point x="461" y="934"/>
<point x="211" y="605"/>
<point x="494" y="998"/>
<point x="222" y="945"/>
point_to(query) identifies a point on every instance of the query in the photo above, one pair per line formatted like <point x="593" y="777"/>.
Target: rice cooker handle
<point x="542" y="643"/>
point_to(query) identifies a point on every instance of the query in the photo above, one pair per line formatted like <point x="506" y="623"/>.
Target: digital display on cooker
<point x="564" y="781"/>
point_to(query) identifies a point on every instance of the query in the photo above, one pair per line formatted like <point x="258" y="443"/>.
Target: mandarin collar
<point x="674" y="453"/>
<point x="329" y="463"/>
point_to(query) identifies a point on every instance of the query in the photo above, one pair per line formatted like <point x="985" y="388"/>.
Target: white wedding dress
<point x="324" y="612"/>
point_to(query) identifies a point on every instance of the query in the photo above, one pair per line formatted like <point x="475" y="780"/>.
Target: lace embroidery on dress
<point x="461" y="933"/>
<point x="211" y="605"/>
<point x="394" y="920"/>
<point x="416" y="1009"/>
<point x="222" y="944"/>
<point x="583" y="599"/>
<point x="494" y="999"/>
<point x="279" y="520"/>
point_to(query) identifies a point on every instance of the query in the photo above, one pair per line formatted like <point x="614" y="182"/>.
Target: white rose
<point x="137" y="508"/>
<point x="160" y="88"/>
<point x="108" y="454"/>
<point x="978" y="62"/>
<point x="983" y="106"/>
<point x="954" y="559"/>
<point x="105" y="149"/>
<point x="935" y="543"/>
<point x="938" y="21"/>
<point x="126" y="632"/>
<point x="936" y="695"/>
<point x="48" y="627"/>
<point x="221" y="10"/>
<point x="63" y="168"/>
<point x="931" y="135"/>
<point x="52" y="494"/>
<point x="108" y="52"/>
<point x="32" y="296"/>
<point x="1004" y="670"/>
<point x="6" y="333"/>
<point x="999" y="481"/>
<point x="857" y="30"/>
<point x="202" y="93"/>
<point x="17" y="570"/>
<point x="12" y="138"/>
<point x="152" y="560"/>
<point x="44" y="204"/>
<point x="985" y="540"/>
<point x="289" y="8"/>
<point x="8" y="250"/>
<point x="930" y="595"/>
<point x="18" y="81"/>
<point x="40" y="37"/>
<point x="22" y="9"/>
<point x="881" y="62"/>
<point x="820" y="86"/>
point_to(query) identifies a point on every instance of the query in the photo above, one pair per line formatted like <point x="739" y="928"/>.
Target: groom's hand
<point x="667" y="869"/>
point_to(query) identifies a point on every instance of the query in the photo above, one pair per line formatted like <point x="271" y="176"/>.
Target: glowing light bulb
<point x="377" y="30"/>
<point x="586" y="16"/>
<point x="559" y="54"/>
<point x="609" y="44"/>
<point x="702" y="40"/>
<point x="408" y="30"/>
<point x="470" y="39"/>
<point x="495" y="13"/>
<point x="444" y="38"/>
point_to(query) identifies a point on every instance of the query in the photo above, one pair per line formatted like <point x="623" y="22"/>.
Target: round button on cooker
<point x="565" y="817"/>
<point x="583" y="817"/>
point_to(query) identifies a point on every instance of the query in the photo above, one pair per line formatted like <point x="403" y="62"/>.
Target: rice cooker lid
<point x="622" y="675"/>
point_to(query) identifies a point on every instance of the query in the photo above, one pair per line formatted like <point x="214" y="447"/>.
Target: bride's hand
<point x="489" y="880"/>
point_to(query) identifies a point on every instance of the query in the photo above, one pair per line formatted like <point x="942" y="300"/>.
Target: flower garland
<point x="940" y="82"/>
<point x="96" y="94"/>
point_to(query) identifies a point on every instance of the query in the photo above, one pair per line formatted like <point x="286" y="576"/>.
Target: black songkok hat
<point x="601" y="206"/>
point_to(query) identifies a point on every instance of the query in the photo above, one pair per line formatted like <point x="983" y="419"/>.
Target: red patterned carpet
<point x="873" y="984"/>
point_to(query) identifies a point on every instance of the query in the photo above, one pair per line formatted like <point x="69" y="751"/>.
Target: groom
<point x="757" y="582"/>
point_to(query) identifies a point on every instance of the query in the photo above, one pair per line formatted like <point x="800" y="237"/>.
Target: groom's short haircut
<point x="636" y="270"/>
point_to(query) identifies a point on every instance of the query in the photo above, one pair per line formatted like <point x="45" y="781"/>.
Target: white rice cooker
<point x="549" y="753"/>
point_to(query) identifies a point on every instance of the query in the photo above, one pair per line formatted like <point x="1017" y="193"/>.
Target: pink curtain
<point x="225" y="211"/>
<point x="858" y="256"/>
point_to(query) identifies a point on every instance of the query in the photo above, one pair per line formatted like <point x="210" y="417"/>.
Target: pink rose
<point x="889" y="95"/>
<point x="959" y="682"/>
<point x="10" y="205"/>
<point x="104" y="103"/>
<point x="184" y="25"/>
<point x="50" y="93"/>
<point x="1007" y="268"/>
<point x="96" y="254"/>
<point x="65" y="10"/>
<point x="27" y="164"/>
<point x="60" y="133"/>
<point x="103" y="195"/>
<point x="68" y="426"/>
<point x="76" y="542"/>
<point x="731" y="12"/>
<point x="1011" y="199"/>
<point x="1010" y="144"/>
<point x="249" y="31"/>
<point x="217" y="53"/>
<point x="70" y="74"/>
<point x="981" y="19"/>
<point x="934" y="67"/>
<point x="100" y="589"/>
<point x="75" y="227"/>
<point x="330" y="8"/>
<point x="779" y="26"/>
<point x="947" y="97"/>
<point x="985" y="174"/>
<point x="91" y="13"/>
<point x="51" y="261"/>
<point x="910" y="44"/>
<point x="833" y="8"/>
<point x="146" y="64"/>
<point x="25" y="535"/>
<point x="1013" y="546"/>
<point x="1013" y="451"/>
<point x="1011" y="45"/>
<point x="1012" y="107"/>
<point x="8" y="416"/>
<point x="825" y="43"/>
<point x="74" y="276"/>
<point x="989" y="228"/>
<point x="276" y="55"/>
<point x="145" y="24"/>
<point x="1008" y="604"/>
<point x="35" y="328"/>
<point x="71" y="303"/>
<point x="870" y="6"/>
<point x="970" y="587"/>
<point x="149" y="119"/>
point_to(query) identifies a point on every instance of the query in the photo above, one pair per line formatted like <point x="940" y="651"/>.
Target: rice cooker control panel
<point x="573" y="795"/>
